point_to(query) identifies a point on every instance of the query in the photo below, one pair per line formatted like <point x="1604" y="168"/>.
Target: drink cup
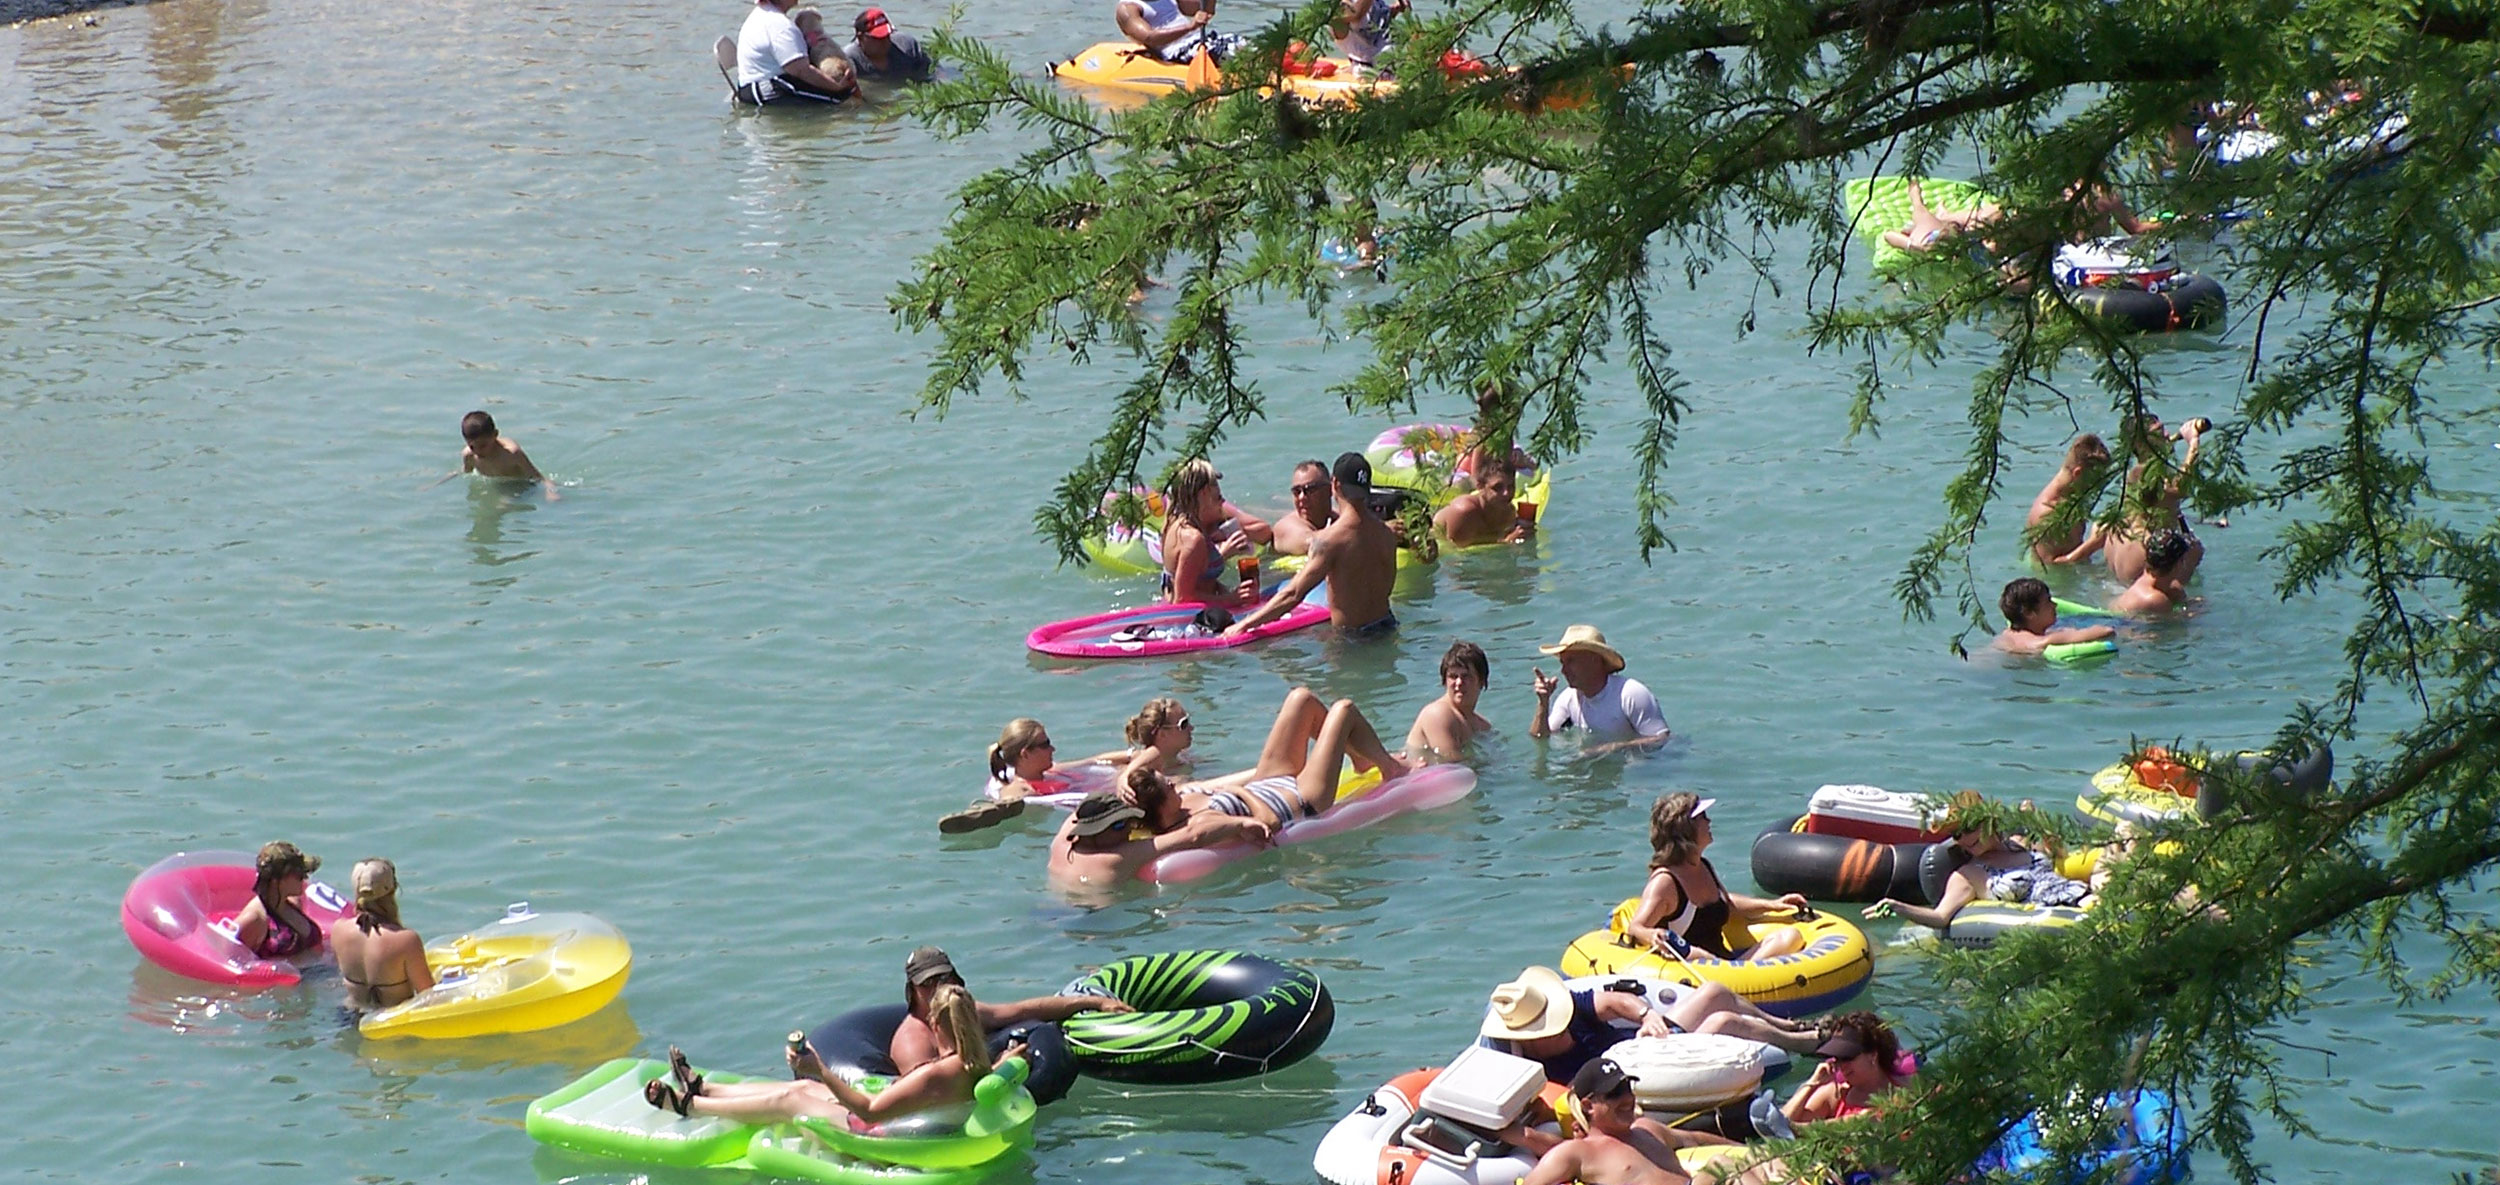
<point x="1527" y="513"/>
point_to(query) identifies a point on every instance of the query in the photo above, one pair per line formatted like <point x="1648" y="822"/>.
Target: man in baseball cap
<point x="927" y="968"/>
<point x="1356" y="554"/>
<point x="1622" y="1146"/>
<point x="879" y="53"/>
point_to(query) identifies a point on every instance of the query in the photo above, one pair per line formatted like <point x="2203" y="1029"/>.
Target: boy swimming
<point x="489" y="455"/>
<point x="2031" y="620"/>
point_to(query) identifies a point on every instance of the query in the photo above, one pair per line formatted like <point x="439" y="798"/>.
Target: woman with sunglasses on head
<point x="1201" y="532"/>
<point x="1685" y="897"/>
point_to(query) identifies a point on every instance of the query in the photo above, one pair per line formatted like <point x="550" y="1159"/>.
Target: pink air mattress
<point x="1113" y="634"/>
<point x="1420" y="790"/>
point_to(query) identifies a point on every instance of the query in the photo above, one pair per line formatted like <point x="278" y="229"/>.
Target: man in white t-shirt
<point x="773" y="65"/>
<point x="1594" y="697"/>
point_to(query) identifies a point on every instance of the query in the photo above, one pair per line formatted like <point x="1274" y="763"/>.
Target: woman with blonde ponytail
<point x="382" y="961"/>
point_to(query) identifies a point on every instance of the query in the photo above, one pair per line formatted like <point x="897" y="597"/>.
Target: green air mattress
<point x="603" y="1112"/>
<point x="1873" y="205"/>
<point x="792" y="1153"/>
<point x="2070" y="613"/>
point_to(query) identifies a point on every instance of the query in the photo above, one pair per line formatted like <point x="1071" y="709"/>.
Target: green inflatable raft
<point x="1874" y="205"/>
<point x="603" y="1113"/>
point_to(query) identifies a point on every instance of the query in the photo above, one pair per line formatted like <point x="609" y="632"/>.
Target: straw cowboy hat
<point x="1585" y="637"/>
<point x="1537" y="1004"/>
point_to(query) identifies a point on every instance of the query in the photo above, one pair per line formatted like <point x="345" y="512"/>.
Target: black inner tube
<point x="1202" y="1016"/>
<point x="857" y="1042"/>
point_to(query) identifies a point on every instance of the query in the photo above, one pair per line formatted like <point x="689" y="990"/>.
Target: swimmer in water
<point x="2031" y="620"/>
<point x="489" y="455"/>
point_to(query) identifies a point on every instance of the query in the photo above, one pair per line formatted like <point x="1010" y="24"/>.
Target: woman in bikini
<point x="963" y="1057"/>
<point x="1929" y="225"/>
<point x="1022" y="764"/>
<point x="1685" y="897"/>
<point x="382" y="961"/>
<point x="273" y="923"/>
<point x="1200" y="533"/>
<point x="1296" y="776"/>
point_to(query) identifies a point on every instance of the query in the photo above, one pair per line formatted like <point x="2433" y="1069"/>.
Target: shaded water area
<point x="258" y="258"/>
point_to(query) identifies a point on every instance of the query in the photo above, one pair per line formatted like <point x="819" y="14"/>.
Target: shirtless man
<point x="1487" y="515"/>
<point x="1107" y="839"/>
<point x="1446" y="725"/>
<point x="2124" y="548"/>
<point x="1173" y="30"/>
<point x="2031" y="620"/>
<point x="489" y="455"/>
<point x="1311" y="510"/>
<point x="1622" y="1147"/>
<point x="1356" y="553"/>
<point x="2162" y="586"/>
<point x="2057" y="529"/>
<point x="927" y="969"/>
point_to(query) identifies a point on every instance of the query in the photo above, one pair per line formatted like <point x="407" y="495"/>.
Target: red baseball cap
<point x="872" y="23"/>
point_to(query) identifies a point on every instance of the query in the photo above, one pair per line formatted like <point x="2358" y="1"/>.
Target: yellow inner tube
<point x="1833" y="965"/>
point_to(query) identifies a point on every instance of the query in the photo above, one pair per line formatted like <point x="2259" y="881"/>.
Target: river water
<point x="261" y="255"/>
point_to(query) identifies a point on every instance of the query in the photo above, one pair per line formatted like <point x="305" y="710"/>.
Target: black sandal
<point x="688" y="1082"/>
<point x="661" y="1094"/>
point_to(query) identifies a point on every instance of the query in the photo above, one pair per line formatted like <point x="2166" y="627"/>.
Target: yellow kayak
<point x="1321" y="82"/>
<point x="1126" y="66"/>
<point x="526" y="972"/>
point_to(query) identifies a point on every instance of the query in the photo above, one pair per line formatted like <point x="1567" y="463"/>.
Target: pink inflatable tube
<point x="180" y="914"/>
<point x="1093" y="637"/>
<point x="1425" y="789"/>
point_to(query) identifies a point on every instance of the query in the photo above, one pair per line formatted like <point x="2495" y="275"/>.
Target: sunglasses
<point x="1183" y="722"/>
<point x="1310" y="487"/>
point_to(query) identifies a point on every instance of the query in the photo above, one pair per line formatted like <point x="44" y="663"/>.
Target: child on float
<point x="2031" y="620"/>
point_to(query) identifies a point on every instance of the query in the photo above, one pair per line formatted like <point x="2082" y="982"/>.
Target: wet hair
<point x="376" y="884"/>
<point x="1014" y="741"/>
<point x="1180" y="495"/>
<point x="1157" y="715"/>
<point x="952" y="1013"/>
<point x="476" y="425"/>
<point x="2165" y="549"/>
<point x="1494" y="461"/>
<point x="2022" y="597"/>
<point x="1466" y="656"/>
<point x="1674" y="829"/>
<point x="2087" y="450"/>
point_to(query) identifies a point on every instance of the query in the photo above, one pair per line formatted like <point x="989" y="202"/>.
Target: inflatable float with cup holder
<point x="1201" y="1016"/>
<point x="1854" y="843"/>
<point x="524" y="972"/>
<point x="604" y="1113"/>
<point x="179" y="913"/>
<point x="2159" y="785"/>
<point x="1832" y="966"/>
<point x="1361" y="801"/>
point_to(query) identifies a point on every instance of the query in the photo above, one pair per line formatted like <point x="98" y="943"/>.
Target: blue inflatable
<point x="2143" y="1150"/>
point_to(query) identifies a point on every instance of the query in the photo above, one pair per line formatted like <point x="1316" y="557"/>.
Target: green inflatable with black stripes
<point x="1202" y="1016"/>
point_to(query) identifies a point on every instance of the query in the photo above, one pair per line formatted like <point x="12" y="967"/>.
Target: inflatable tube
<point x="1873" y="205"/>
<point x="857" y="1045"/>
<point x="179" y="913"/>
<point x="2189" y="300"/>
<point x="1202" y="1016"/>
<point x="1692" y="1071"/>
<point x="1833" y="966"/>
<point x="1790" y="859"/>
<point x="1981" y="923"/>
<point x="1094" y="636"/>
<point x="524" y="972"/>
<point x="2145" y="1145"/>
<point x="2071" y="615"/>
<point x="1428" y="788"/>
<point x="1423" y="457"/>
<point x="603" y="1113"/>
<point x="2120" y="795"/>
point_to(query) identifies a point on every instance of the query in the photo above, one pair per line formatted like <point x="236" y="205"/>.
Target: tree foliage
<point x="1537" y="212"/>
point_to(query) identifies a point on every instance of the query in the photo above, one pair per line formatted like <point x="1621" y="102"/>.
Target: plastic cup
<point x="1527" y="513"/>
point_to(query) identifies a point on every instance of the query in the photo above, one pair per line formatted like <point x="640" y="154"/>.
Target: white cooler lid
<point x="1484" y="1088"/>
<point x="1868" y="804"/>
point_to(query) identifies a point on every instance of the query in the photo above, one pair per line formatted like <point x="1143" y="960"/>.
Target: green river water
<point x="258" y="257"/>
